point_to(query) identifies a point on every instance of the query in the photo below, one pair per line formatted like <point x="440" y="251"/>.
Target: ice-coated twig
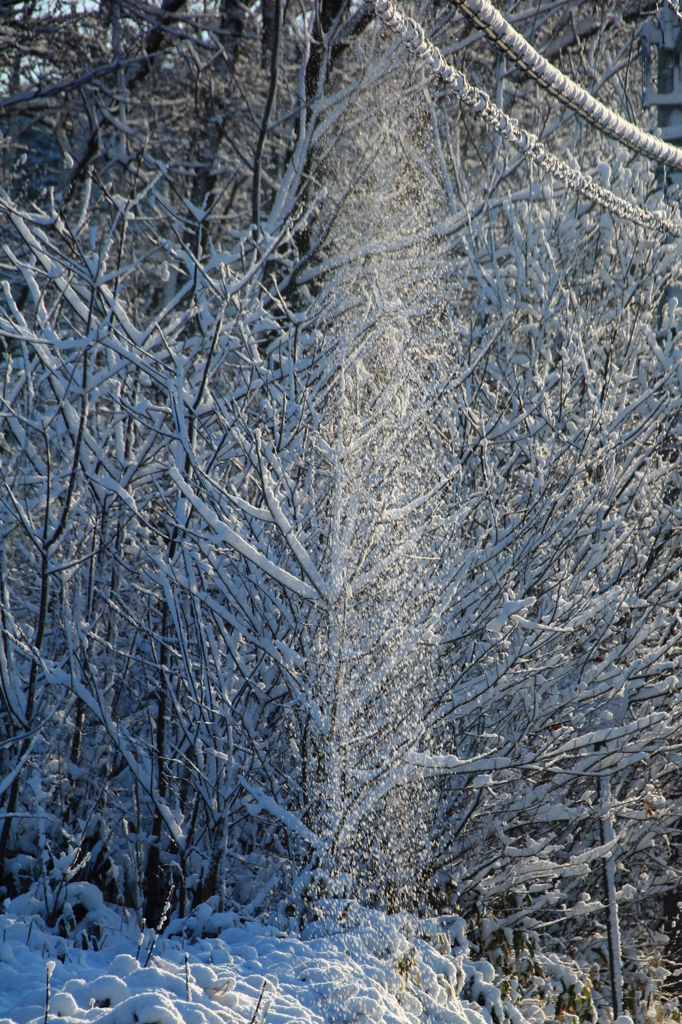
<point x="140" y="939"/>
<point x="612" y="923"/>
<point x="49" y="968"/>
<point x="162" y="921"/>
<point x="260" y="1000"/>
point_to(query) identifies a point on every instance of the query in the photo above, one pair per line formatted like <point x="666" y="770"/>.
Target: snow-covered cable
<point x="519" y="50"/>
<point x="413" y="37"/>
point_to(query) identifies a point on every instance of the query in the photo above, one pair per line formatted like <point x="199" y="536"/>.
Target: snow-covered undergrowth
<point x="355" y="965"/>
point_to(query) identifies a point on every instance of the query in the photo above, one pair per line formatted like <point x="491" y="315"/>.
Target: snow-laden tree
<point x="340" y="496"/>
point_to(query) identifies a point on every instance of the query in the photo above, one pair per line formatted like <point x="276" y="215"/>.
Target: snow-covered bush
<point x="340" y="552"/>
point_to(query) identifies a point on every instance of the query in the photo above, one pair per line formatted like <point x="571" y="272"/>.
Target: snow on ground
<point x="360" y="966"/>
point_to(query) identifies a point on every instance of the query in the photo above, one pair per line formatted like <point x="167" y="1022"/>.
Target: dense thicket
<point x="340" y="504"/>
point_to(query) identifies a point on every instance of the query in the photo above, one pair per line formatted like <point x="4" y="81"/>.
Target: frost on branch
<point x="340" y="560"/>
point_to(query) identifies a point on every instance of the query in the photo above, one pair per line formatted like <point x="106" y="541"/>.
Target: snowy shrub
<point x="339" y="546"/>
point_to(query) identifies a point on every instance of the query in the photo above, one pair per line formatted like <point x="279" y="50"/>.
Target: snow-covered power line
<point x="568" y="92"/>
<point x="413" y="37"/>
